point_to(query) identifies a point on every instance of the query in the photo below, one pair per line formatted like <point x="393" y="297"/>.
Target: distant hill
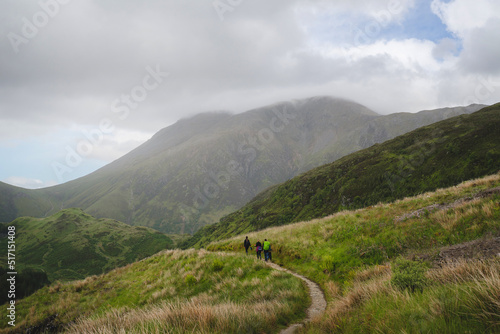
<point x="439" y="155"/>
<point x="200" y="169"/>
<point x="72" y="245"/>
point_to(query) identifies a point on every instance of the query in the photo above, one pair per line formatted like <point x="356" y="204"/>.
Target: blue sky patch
<point x="419" y="23"/>
<point x="350" y="29"/>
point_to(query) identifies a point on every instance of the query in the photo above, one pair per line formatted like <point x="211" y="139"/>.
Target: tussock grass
<point x="342" y="306"/>
<point x="350" y="254"/>
<point x="342" y="244"/>
<point x="463" y="297"/>
<point x="172" y="291"/>
<point x="372" y="273"/>
<point x="463" y="270"/>
<point x="200" y="315"/>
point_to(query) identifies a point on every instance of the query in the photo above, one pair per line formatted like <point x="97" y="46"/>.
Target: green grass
<point x="350" y="255"/>
<point x="353" y="239"/>
<point x="436" y="156"/>
<point x="72" y="245"/>
<point x="461" y="297"/>
<point x="172" y="291"/>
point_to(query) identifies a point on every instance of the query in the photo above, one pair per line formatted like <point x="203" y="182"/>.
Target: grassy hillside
<point x="421" y="264"/>
<point x="72" y="244"/>
<point x="354" y="256"/>
<point x="171" y="292"/>
<point x="438" y="155"/>
<point x="200" y="169"/>
<point x="16" y="202"/>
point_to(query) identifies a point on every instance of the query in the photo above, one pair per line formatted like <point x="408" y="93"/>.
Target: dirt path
<point x="318" y="304"/>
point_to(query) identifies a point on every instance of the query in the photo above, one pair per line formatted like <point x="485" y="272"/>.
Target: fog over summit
<point x="69" y="68"/>
<point x="201" y="168"/>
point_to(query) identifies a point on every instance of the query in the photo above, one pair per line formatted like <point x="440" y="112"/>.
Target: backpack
<point x="267" y="245"/>
<point x="258" y="248"/>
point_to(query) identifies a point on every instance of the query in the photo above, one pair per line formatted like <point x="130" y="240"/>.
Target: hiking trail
<point x="318" y="305"/>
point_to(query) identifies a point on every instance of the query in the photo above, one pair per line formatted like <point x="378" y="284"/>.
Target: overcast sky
<point x="83" y="82"/>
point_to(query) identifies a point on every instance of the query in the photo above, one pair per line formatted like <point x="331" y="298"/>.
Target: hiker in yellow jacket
<point x="267" y="250"/>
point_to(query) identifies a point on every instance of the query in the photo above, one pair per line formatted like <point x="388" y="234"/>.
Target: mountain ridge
<point x="180" y="180"/>
<point x="437" y="155"/>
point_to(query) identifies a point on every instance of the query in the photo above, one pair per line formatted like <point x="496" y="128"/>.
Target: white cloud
<point x="482" y="49"/>
<point x="410" y="54"/>
<point x="118" y="144"/>
<point x="462" y="16"/>
<point x="356" y="8"/>
<point x="28" y="183"/>
<point x="93" y="52"/>
<point x="446" y="49"/>
<point x="349" y="22"/>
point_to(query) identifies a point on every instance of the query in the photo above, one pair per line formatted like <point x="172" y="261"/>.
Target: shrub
<point x="217" y="265"/>
<point x="328" y="264"/>
<point x="190" y="280"/>
<point x="409" y="275"/>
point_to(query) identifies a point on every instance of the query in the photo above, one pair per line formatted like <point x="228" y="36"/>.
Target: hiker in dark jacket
<point x="258" y="248"/>
<point x="246" y="244"/>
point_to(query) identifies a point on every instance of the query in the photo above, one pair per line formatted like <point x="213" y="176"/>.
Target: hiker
<point x="258" y="248"/>
<point x="267" y="249"/>
<point x="246" y="244"/>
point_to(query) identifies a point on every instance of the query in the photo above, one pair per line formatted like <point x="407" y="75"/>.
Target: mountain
<point x="72" y="245"/>
<point x="200" y="169"/>
<point x="16" y="202"/>
<point x="438" y="155"/>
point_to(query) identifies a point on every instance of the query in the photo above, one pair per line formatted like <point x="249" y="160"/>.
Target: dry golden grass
<point x="198" y="315"/>
<point x="463" y="270"/>
<point x="488" y="208"/>
<point x="485" y="181"/>
<point x="477" y="283"/>
<point x="355" y="297"/>
<point x="488" y="181"/>
<point x="482" y="293"/>
<point x="81" y="284"/>
<point x="55" y="287"/>
<point x="160" y="295"/>
<point x="332" y="289"/>
<point x="486" y="296"/>
<point x="372" y="273"/>
<point x="164" y="293"/>
<point x="445" y="219"/>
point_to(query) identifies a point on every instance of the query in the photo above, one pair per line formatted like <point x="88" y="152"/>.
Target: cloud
<point x="109" y="146"/>
<point x="462" y="16"/>
<point x="445" y="49"/>
<point x="88" y="55"/>
<point x="482" y="49"/>
<point x="23" y="182"/>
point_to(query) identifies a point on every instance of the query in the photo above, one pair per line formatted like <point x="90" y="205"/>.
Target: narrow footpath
<point x="318" y="305"/>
